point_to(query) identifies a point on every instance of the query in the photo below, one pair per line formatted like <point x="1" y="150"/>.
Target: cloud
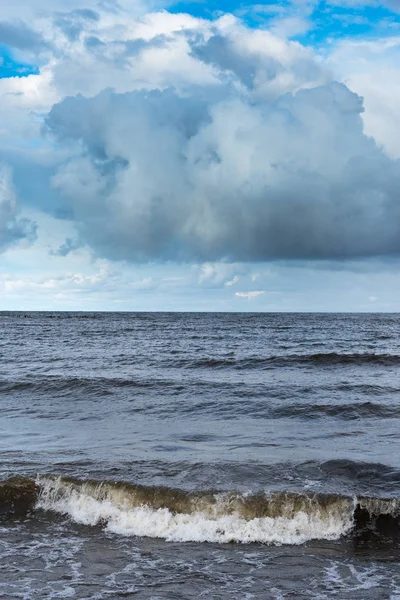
<point x="43" y="8"/>
<point x="211" y="142"/>
<point x="143" y="284"/>
<point x="393" y="5"/>
<point x="161" y="176"/>
<point x="232" y="281"/>
<point x="249" y="295"/>
<point x="371" y="68"/>
<point x="266" y="65"/>
<point x="18" y="35"/>
<point x="13" y="228"/>
<point x="75" y="283"/>
<point x="72" y="23"/>
<point x="70" y="245"/>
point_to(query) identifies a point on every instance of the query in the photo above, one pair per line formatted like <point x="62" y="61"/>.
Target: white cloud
<point x="232" y="281"/>
<point x="142" y="284"/>
<point x="207" y="272"/>
<point x="219" y="273"/>
<point x="42" y="8"/>
<point x="249" y="295"/>
<point x="372" y="69"/>
<point x="292" y="25"/>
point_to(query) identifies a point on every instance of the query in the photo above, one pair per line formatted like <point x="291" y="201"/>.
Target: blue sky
<point x="200" y="155"/>
<point x="10" y="67"/>
<point x="325" y="21"/>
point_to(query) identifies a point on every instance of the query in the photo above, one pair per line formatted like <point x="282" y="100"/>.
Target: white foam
<point x="146" y="521"/>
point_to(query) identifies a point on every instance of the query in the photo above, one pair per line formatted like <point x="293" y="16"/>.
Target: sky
<point x="200" y="156"/>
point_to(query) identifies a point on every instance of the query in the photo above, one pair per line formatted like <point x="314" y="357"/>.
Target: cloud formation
<point x="372" y="68"/>
<point x="168" y="177"/>
<point x="232" y="281"/>
<point x="18" y="35"/>
<point x="249" y="295"/>
<point x="195" y="140"/>
<point x="13" y="228"/>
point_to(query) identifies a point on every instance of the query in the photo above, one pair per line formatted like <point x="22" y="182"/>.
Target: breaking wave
<point x="181" y="516"/>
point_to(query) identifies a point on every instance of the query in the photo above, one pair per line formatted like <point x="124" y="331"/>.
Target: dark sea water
<point x="215" y="456"/>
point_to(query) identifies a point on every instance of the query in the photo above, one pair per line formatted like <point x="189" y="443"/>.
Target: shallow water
<point x="257" y="456"/>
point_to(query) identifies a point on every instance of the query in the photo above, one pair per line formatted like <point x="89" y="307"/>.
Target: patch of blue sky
<point x="207" y="9"/>
<point x="326" y="20"/>
<point x="329" y="22"/>
<point x="9" y="67"/>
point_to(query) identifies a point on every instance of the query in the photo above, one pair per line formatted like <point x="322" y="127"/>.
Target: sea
<point x="168" y="456"/>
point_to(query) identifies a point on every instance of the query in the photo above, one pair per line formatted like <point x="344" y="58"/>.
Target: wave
<point x="179" y="516"/>
<point x="70" y="385"/>
<point x="315" y="359"/>
<point x="182" y="516"/>
<point x="17" y="495"/>
<point x="333" y="358"/>
<point x="346" y="412"/>
<point x="266" y="410"/>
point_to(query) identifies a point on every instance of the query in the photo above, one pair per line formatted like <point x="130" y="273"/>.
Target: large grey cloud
<point x="162" y="176"/>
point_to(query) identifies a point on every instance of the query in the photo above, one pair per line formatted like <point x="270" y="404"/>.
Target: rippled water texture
<point x="184" y="456"/>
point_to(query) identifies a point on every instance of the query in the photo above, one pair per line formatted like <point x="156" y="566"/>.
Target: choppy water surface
<point x="168" y="456"/>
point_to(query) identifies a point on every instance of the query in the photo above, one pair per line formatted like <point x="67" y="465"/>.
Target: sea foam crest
<point x="210" y="520"/>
